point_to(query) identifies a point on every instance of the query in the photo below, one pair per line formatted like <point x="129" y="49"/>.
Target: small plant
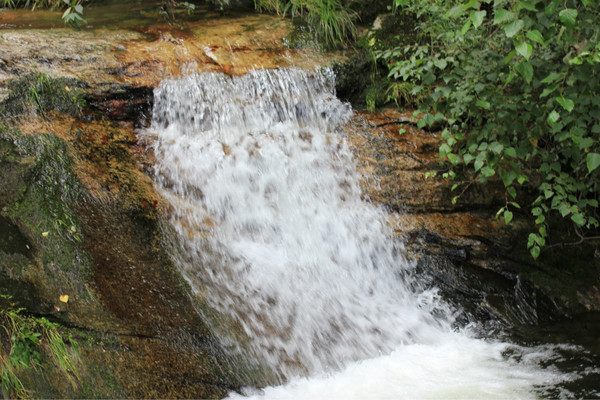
<point x="401" y="93"/>
<point x="73" y="15"/>
<point x="23" y="340"/>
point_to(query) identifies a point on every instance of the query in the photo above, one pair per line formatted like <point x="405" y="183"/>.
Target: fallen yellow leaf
<point x="44" y="234"/>
<point x="64" y="298"/>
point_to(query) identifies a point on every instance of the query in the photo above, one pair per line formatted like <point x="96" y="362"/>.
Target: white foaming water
<point x="275" y="234"/>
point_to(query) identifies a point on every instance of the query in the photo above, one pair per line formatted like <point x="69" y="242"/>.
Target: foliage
<point x="333" y="24"/>
<point x="38" y="92"/>
<point x="516" y="85"/>
<point x="24" y="340"/>
<point x="34" y="4"/>
<point x="73" y="14"/>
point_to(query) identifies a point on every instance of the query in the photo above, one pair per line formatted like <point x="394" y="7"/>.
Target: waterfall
<point x="276" y="235"/>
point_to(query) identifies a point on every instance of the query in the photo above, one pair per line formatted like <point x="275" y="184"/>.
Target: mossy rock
<point x="108" y="255"/>
<point x="37" y="196"/>
<point x="39" y="93"/>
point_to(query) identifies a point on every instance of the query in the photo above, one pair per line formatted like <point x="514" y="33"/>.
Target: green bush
<point x="516" y="85"/>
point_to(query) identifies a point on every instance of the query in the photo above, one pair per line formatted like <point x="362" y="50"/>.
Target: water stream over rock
<point x="276" y="234"/>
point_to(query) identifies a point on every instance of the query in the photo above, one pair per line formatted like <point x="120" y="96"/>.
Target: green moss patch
<point x="39" y="93"/>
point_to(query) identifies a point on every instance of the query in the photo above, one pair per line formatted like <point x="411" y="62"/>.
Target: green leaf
<point x="553" y="76"/>
<point x="513" y="28"/>
<point x="487" y="171"/>
<point x="564" y="209"/>
<point x="455" y="11"/>
<point x="510" y="152"/>
<point x="552" y="7"/>
<point x="525" y="69"/>
<point x="578" y="218"/>
<point x="535" y="252"/>
<point x="592" y="161"/>
<point x="465" y="28"/>
<point x="553" y="117"/>
<point x="496" y="147"/>
<point x="440" y="63"/>
<point x="483" y="104"/>
<point x="477" y="18"/>
<point x="526" y="4"/>
<point x="549" y="90"/>
<point x="429" y="78"/>
<point x="524" y="49"/>
<point x="535" y="36"/>
<point x="508" y="216"/>
<point x="501" y="16"/>
<point x="568" y="16"/>
<point x="79" y="8"/>
<point x="567" y="104"/>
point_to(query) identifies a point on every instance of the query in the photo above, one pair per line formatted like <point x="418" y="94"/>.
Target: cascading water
<point x="274" y="233"/>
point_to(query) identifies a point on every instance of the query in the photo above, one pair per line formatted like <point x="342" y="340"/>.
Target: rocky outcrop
<point x="476" y="260"/>
<point x="79" y="214"/>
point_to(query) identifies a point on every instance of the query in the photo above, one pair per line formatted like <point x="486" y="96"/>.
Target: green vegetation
<point x="515" y="86"/>
<point x="39" y="93"/>
<point x="28" y="342"/>
<point x="34" y="4"/>
<point x="331" y="22"/>
<point x="73" y="8"/>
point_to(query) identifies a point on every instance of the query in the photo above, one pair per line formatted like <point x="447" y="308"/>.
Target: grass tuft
<point x="38" y="93"/>
<point x="23" y="340"/>
<point x="332" y="23"/>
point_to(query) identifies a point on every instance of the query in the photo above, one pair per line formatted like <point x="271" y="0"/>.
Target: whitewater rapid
<point x="276" y="235"/>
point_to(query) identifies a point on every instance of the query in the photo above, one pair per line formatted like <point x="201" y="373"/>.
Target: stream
<point x="282" y="209"/>
<point x="275" y="232"/>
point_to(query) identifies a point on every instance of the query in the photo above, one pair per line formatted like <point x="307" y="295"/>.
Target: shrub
<point x="516" y="85"/>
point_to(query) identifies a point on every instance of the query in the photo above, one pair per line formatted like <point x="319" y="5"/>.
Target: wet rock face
<point x="477" y="262"/>
<point x="78" y="212"/>
<point x="65" y="233"/>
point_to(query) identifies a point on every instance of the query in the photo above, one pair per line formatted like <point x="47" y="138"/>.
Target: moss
<point x="39" y="93"/>
<point x="43" y="209"/>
